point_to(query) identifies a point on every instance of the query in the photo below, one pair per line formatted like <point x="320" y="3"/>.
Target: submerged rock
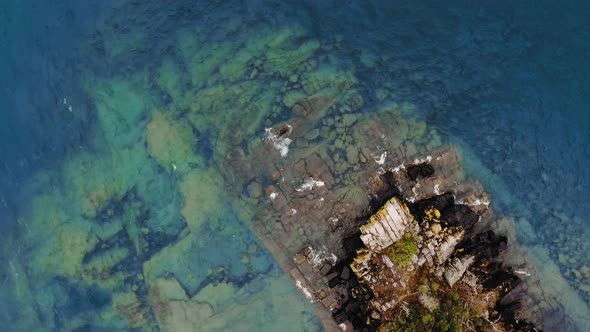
<point x="254" y="189"/>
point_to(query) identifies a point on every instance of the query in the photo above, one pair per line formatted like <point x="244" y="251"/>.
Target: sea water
<point x="116" y="116"/>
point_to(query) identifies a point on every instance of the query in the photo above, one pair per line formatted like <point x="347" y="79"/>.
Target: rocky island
<point x="385" y="246"/>
<point x="419" y="263"/>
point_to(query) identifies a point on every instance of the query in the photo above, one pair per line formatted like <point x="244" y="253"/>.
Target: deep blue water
<point x="508" y="80"/>
<point x="40" y="43"/>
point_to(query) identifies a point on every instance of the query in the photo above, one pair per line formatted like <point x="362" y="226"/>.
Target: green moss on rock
<point x="402" y="251"/>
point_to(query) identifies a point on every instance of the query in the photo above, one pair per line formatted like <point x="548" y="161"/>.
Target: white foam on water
<point x="319" y="257"/>
<point x="436" y="189"/>
<point x="476" y="203"/>
<point x="423" y="160"/>
<point x="309" y="184"/>
<point x="381" y="159"/>
<point x="278" y="142"/>
<point x="305" y="291"/>
<point x="525" y="273"/>
<point x="398" y="168"/>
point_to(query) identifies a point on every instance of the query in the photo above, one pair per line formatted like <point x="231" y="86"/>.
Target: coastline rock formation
<point x="419" y="265"/>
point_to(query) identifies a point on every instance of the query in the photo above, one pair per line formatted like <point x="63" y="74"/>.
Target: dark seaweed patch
<point x="423" y="170"/>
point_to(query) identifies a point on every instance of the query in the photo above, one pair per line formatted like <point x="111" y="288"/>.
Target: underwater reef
<point x="211" y="169"/>
<point x="140" y="230"/>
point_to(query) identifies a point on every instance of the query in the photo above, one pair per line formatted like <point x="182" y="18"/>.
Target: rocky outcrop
<point x="456" y="268"/>
<point x="416" y="258"/>
<point x="387" y="225"/>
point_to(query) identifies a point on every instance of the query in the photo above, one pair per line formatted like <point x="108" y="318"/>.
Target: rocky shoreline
<point x="315" y="203"/>
<point x="418" y="263"/>
<point x="417" y="256"/>
<point x="324" y="171"/>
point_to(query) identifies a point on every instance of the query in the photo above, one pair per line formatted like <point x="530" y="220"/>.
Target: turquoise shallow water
<point x="95" y="212"/>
